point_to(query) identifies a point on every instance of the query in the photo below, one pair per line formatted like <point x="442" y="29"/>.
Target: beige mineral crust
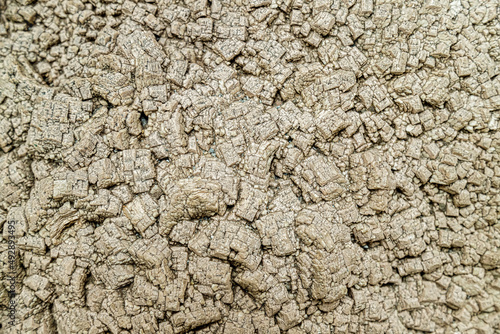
<point x="250" y="166"/>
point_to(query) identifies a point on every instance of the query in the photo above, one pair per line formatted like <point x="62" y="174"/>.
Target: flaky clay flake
<point x="250" y="166"/>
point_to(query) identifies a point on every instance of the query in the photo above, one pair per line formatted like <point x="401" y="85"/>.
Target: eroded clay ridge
<point x="250" y="166"/>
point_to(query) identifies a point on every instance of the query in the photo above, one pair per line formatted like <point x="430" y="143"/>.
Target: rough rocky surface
<point x="250" y="166"/>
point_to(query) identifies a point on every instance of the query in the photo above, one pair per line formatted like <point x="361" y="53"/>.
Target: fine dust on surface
<point x="250" y="166"/>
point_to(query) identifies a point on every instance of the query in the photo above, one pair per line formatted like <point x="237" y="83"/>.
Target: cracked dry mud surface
<point x="250" y="166"/>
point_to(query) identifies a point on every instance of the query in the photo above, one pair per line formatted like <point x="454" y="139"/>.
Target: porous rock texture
<point x="251" y="166"/>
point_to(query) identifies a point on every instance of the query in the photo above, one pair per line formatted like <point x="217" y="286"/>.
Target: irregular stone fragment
<point x="275" y="231"/>
<point x="323" y="22"/>
<point x="235" y="242"/>
<point x="251" y="203"/>
<point x="142" y="212"/>
<point x="191" y="198"/>
<point x="289" y="316"/>
<point x="229" y="48"/>
<point x="114" y="277"/>
<point x="185" y="321"/>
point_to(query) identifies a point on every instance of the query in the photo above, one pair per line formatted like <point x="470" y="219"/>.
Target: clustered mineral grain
<point x="250" y="166"/>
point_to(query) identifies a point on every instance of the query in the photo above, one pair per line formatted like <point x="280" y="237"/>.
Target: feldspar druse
<point x="250" y="166"/>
